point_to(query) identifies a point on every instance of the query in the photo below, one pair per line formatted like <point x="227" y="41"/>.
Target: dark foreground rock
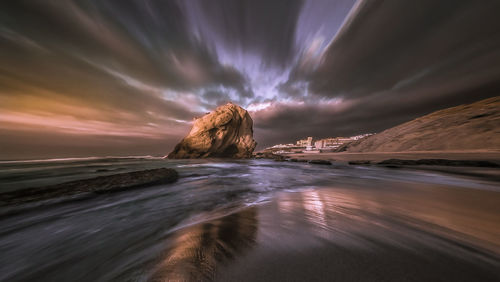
<point x="271" y="156"/>
<point x="439" y="162"/>
<point x="360" y="162"/>
<point x="298" y="160"/>
<point x="225" y="133"/>
<point x="321" y="162"/>
<point x="101" y="184"/>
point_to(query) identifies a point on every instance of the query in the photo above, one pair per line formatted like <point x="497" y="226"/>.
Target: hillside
<point x="466" y="127"/>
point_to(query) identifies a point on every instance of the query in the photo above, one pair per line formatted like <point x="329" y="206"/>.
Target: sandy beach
<point x="419" y="233"/>
<point x="372" y="158"/>
<point x="490" y="155"/>
<point x="254" y="220"/>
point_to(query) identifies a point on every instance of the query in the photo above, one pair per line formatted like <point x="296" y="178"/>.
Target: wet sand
<point x="490" y="155"/>
<point x="260" y="220"/>
<point x="490" y="173"/>
<point x="401" y="232"/>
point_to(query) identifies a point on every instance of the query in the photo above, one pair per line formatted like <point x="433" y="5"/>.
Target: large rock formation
<point x="467" y="127"/>
<point x="224" y="133"/>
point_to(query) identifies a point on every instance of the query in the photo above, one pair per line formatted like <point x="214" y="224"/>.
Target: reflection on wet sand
<point x="197" y="251"/>
<point x="466" y="214"/>
<point x="390" y="233"/>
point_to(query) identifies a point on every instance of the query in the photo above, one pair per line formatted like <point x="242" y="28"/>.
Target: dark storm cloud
<point x="396" y="44"/>
<point x="147" y="40"/>
<point x="393" y="61"/>
<point x="287" y="122"/>
<point x="100" y="71"/>
<point x="292" y="89"/>
<point x="262" y="27"/>
<point x="85" y="65"/>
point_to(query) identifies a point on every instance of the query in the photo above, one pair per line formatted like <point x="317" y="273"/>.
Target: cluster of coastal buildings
<point x="312" y="145"/>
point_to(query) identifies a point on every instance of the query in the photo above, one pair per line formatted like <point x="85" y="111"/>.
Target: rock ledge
<point x="101" y="184"/>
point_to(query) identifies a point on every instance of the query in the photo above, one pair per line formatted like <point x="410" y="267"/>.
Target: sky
<point x="127" y="77"/>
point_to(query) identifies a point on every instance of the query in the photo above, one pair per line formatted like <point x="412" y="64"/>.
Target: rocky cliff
<point x="224" y="133"/>
<point x="467" y="127"/>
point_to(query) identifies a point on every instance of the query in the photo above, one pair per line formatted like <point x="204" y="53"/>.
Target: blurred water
<point x="225" y="218"/>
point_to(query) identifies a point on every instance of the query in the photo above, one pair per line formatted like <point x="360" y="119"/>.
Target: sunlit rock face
<point x="226" y="132"/>
<point x="466" y="127"/>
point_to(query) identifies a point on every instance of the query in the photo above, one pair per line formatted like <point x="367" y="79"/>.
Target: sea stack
<point x="226" y="132"/>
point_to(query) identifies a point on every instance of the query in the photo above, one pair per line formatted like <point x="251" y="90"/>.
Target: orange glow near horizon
<point x="60" y="114"/>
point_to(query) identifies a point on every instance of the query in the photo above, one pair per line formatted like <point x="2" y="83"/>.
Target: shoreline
<point x="478" y="164"/>
<point x="473" y="155"/>
<point x="381" y="232"/>
<point x="483" y="164"/>
<point x="249" y="220"/>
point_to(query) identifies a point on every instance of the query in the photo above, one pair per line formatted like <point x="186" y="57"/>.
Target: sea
<point x="251" y="220"/>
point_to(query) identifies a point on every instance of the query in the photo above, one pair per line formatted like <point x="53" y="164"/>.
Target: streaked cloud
<point x="137" y="72"/>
